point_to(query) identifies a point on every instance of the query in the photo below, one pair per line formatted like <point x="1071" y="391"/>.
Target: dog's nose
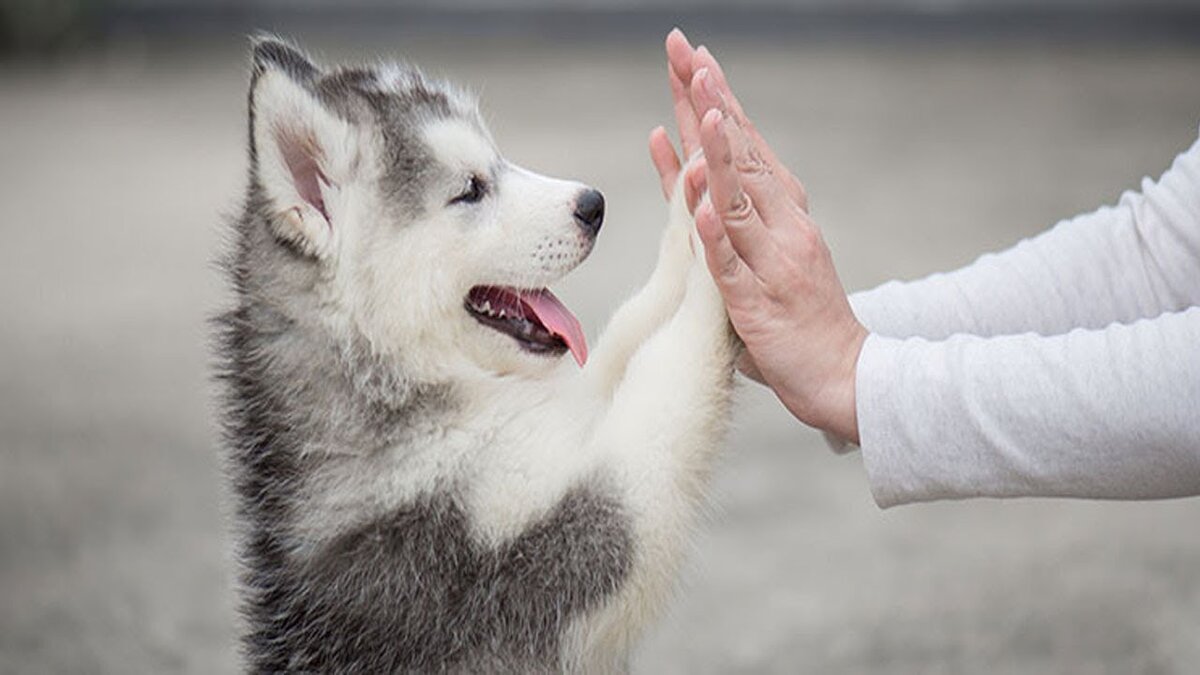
<point x="589" y="211"/>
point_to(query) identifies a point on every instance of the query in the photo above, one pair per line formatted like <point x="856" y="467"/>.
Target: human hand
<point x="767" y="256"/>
<point x="683" y="62"/>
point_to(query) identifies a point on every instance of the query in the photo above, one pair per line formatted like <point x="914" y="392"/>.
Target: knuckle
<point x="727" y="266"/>
<point x="739" y="211"/>
<point x="800" y="194"/>
<point x="810" y="239"/>
<point x="753" y="164"/>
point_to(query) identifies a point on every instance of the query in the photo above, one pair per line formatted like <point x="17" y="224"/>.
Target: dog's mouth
<point x="537" y="320"/>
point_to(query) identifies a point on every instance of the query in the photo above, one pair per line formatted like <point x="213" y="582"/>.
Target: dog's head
<point x="424" y="240"/>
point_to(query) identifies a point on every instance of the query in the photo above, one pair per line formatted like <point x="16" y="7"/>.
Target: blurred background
<point x="927" y="131"/>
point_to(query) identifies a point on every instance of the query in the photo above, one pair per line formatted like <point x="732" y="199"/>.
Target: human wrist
<point x="840" y="399"/>
<point x="832" y="405"/>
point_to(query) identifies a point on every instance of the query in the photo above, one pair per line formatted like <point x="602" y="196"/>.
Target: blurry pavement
<point x="116" y="169"/>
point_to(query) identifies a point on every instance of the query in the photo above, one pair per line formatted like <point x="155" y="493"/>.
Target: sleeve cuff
<point x="889" y="473"/>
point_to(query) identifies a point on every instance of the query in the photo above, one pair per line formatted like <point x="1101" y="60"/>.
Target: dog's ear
<point x="301" y="151"/>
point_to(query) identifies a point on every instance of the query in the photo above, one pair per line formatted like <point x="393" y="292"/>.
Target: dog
<point x="423" y="481"/>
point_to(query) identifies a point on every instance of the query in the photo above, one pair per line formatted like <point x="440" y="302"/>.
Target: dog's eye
<point x="473" y="192"/>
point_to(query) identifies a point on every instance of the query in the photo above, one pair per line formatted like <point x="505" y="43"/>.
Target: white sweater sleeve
<point x="1112" y="413"/>
<point x="1109" y="410"/>
<point x="1122" y="263"/>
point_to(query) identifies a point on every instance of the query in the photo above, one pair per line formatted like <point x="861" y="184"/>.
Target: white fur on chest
<point x="510" y="452"/>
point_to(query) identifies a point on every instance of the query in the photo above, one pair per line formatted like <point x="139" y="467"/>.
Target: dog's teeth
<point x="487" y="306"/>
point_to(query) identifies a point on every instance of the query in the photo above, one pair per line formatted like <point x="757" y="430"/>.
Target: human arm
<point x="1101" y="413"/>
<point x="1112" y="413"/>
<point x="1121" y="263"/>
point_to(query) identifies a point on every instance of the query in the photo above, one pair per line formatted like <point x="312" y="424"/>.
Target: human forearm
<point x="1118" y="264"/>
<point x="1104" y="414"/>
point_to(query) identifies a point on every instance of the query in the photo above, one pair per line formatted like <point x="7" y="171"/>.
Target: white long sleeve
<point x="1111" y="413"/>
<point x="1080" y="375"/>
<point x="1120" y="263"/>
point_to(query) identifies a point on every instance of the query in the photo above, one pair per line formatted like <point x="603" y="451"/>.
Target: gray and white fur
<point x="416" y="490"/>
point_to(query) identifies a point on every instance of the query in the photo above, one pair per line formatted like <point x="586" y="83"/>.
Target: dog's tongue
<point x="558" y="320"/>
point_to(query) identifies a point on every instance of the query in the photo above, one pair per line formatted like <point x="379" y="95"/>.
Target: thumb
<point x="695" y="182"/>
<point x="666" y="162"/>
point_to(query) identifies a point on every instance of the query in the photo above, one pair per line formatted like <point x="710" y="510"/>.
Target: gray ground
<point x="115" y="171"/>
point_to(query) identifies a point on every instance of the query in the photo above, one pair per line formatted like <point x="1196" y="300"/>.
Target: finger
<point x="736" y="281"/>
<point x="685" y="115"/>
<point x="705" y="95"/>
<point x="666" y="162"/>
<point x="695" y="182"/>
<point x="703" y="58"/>
<point x="736" y="210"/>
<point x="755" y="174"/>
<point x="680" y="55"/>
<point x="679" y="74"/>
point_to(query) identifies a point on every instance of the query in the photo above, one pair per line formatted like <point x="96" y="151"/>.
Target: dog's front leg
<point x="669" y="412"/>
<point x="640" y="316"/>
<point x="660" y="439"/>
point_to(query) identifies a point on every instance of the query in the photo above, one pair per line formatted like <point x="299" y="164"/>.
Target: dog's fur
<point x="415" y="492"/>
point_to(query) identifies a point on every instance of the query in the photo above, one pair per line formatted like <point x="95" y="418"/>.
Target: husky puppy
<point x="423" y="481"/>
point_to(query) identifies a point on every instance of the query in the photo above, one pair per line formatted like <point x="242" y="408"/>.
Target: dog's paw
<point x="676" y="248"/>
<point x="701" y="287"/>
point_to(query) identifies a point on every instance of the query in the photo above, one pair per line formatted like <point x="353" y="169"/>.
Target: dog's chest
<point x="421" y="586"/>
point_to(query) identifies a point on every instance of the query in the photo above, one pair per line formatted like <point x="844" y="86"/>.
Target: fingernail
<point x="713" y="116"/>
<point x="724" y="105"/>
<point x="707" y="84"/>
<point x="704" y="79"/>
